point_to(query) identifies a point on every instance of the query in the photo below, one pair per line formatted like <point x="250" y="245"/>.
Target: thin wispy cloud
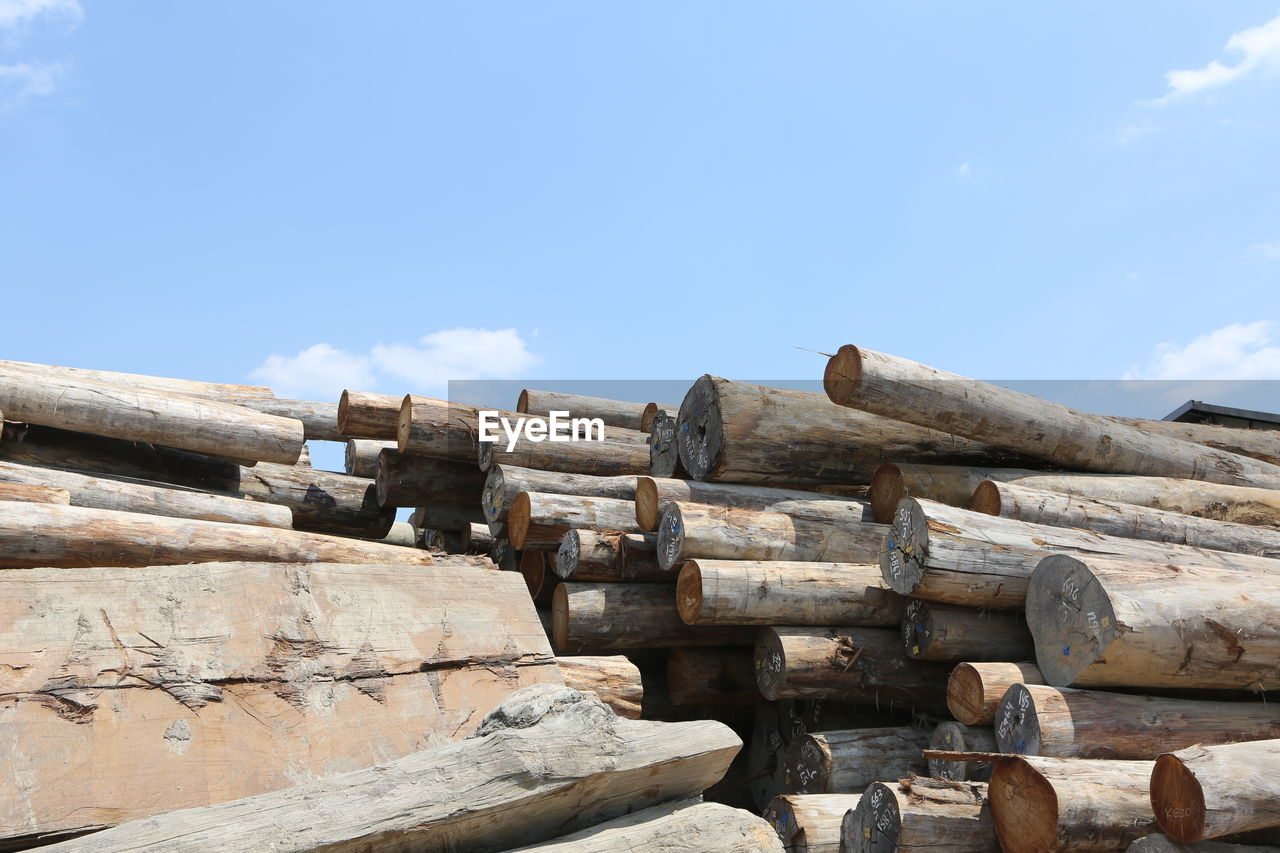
<point x="26" y="80"/>
<point x="17" y="15"/>
<point x="1238" y="351"/>
<point x="965" y="170"/>
<point x="1268" y="250"/>
<point x="20" y="81"/>
<point x="426" y="367"/>
<point x="1259" y="50"/>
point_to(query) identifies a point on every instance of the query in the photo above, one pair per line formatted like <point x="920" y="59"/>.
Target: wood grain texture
<point x="681" y="827"/>
<point x="918" y="814"/>
<point x="1206" y="792"/>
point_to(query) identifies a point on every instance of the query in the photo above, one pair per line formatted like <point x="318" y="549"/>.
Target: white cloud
<point x="16" y="16"/>
<point x="26" y="80"/>
<point x="1238" y="351"/>
<point x="1268" y="250"/>
<point x="965" y="170"/>
<point x="321" y="371"/>
<point x="1260" y="47"/>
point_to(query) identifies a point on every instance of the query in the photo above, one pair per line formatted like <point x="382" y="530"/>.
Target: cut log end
<point x="560" y="617"/>
<point x="700" y="429"/>
<point x="491" y="495"/>
<point x="689" y="592"/>
<point x="1017" y="723"/>
<point x="567" y="554"/>
<point x="810" y="766"/>
<point x="670" y="537"/>
<point x="1177" y="799"/>
<point x="842" y="375"/>
<point x="874" y="825"/>
<point x="906" y="545"/>
<point x="954" y="737"/>
<point x="664" y="455"/>
<point x="1024" y="806"/>
<point x="484" y="455"/>
<point x="343" y="407"/>
<point x="404" y="424"/>
<point x="647" y="515"/>
<point x="771" y="665"/>
<point x="1072" y="618"/>
<point x="965" y="695"/>
<point x="917" y="629"/>
<point x="518" y="519"/>
<point x="522" y="402"/>
<point x="986" y="498"/>
<point x="888" y="488"/>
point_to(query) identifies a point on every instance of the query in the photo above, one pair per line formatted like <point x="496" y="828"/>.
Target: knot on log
<point x="543" y="704"/>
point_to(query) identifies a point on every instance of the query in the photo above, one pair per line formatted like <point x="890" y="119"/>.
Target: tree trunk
<point x="148" y="498"/>
<point x="1066" y="723"/>
<point x="918" y="815"/>
<point x="714" y="676"/>
<point x="1208" y="792"/>
<point x="406" y="480"/>
<point x="745" y="592"/>
<point x="653" y="411"/>
<point x="542" y="517"/>
<point x="477" y="794"/>
<point x="613" y="680"/>
<point x="504" y="482"/>
<point x="898" y="388"/>
<point x="628" y="616"/>
<point x="476" y="538"/>
<point x="225" y="392"/>
<point x="538" y="576"/>
<point x="957" y="737"/>
<point x="204" y="683"/>
<point x="688" y="531"/>
<point x="1100" y="623"/>
<point x="736" y="432"/>
<point x="686" y="826"/>
<point x="861" y="665"/>
<point x="34" y="494"/>
<point x="69" y="536"/>
<point x="445" y="516"/>
<point x="664" y="448"/>
<point x="319" y="420"/>
<point x="361" y="457"/>
<point x="809" y="822"/>
<point x="1012" y="500"/>
<point x="1164" y="844"/>
<point x="949" y="484"/>
<point x="365" y="415"/>
<point x="1044" y="804"/>
<point x="620" y="452"/>
<point x="158" y="417"/>
<point x="601" y="556"/>
<point x="616" y="413"/>
<point x="932" y="631"/>
<point x="974" y="690"/>
<point x="441" y="429"/>
<point x="653" y="494"/>
<point x="1261" y="444"/>
<point x="962" y="557"/>
<point x="847" y="761"/>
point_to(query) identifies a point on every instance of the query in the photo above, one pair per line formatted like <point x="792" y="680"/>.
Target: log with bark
<point x="538" y="575"/>
<point x="34" y="494"/>
<point x="956" y="737"/>
<point x="1210" y="791"/>
<point x="654" y="410"/>
<point x="809" y="823"/>
<point x="319" y="419"/>
<point x="712" y="676"/>
<point x="226" y="392"/>
<point x="602" y="556"/>
<point x="407" y="480"/>
<point x="688" y="531"/>
<point x="619" y="452"/>
<point x="685" y="826"/>
<point x="1035" y="719"/>
<point x="446" y="516"/>
<point x="921" y="814"/>
<point x="847" y="761"/>
<point x="594" y="616"/>
<point x="365" y="415"/>
<point x="613" y="679"/>
<point x="1164" y="844"/>
<point x="504" y="482"/>
<point x="1115" y="623"/>
<point x="475" y="539"/>
<point x="360" y="458"/>
<point x="664" y="448"/>
<point x="542" y="517"/>
<point x="932" y="631"/>
<point x="653" y="494"/>
<point x="906" y="390"/>
<point x="746" y="592"/>
<point x="974" y="689"/>
<point x="617" y="413"/>
<point x="477" y="794"/>
<point x="1261" y="444"/>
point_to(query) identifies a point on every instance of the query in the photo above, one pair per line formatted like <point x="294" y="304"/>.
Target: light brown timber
<point x="974" y="689"/>
<point x="361" y="456"/>
<point x="617" y="413"/>
<point x="951" y="736"/>
<point x="365" y="415"/>
<point x="920" y="814"/>
<point x="686" y="826"/>
<point x="543" y="517"/>
<point x="652" y="494"/>
<point x="613" y="679"/>
<point x="319" y="419"/>
<point x="504" y="482"/>
<point x="1164" y="844"/>
<point x="1210" y="791"/>
<point x="809" y="823"/>
<point x="652" y="410"/>
<point x="620" y="452"/>
<point x="847" y="761"/>
<point x="34" y="494"/>
<point x="932" y="631"/>
<point x="592" y="616"/>
<point x="191" y="387"/>
<point x="595" y="556"/>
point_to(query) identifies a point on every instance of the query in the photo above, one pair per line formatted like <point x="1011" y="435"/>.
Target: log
<point x="1109" y="623"/>
<point x="69" y="536"/>
<point x="846" y="762"/>
<point x="191" y="387"/>
<point x="958" y="556"/>
<point x="689" y="531"/>
<point x="476" y="539"/>
<point x="215" y="681"/>
<point x="957" y="737"/>
<point x="137" y="414"/>
<point x="619" y="452"/>
<point x="921" y="814"/>
<point x="406" y="480"/>
<point x="1163" y="844"/>
<point x="686" y="826"/>
<point x="852" y="664"/>
<point x="445" y="516"/>
<point x="746" y="592"/>
<point x="653" y="410"/>
<point x="477" y="794"/>
<point x="664" y="448"/>
<point x="932" y="631"/>
<point x="542" y="517"/>
<point x="975" y="689"/>
<point x="906" y="390"/>
<point x="653" y="494"/>
<point x="1261" y="444"/>
<point x="1035" y="719"/>
<point x="715" y="676"/>
<point x="616" y="413"/>
<point x="34" y="494"/>
<point x="401" y="534"/>
<point x="504" y="482"/>
<point x="949" y="484"/>
<point x="1044" y="804"/>
<point x="148" y="498"/>
<point x="361" y="456"/>
<point x="595" y="556"/>
<point x="613" y="679"/>
<point x="809" y="823"/>
<point x="1012" y="500"/>
<point x="628" y="616"/>
<point x="365" y="415"/>
<point x="441" y="429"/>
<point x="1210" y="791"/>
<point x="319" y="420"/>
<point x="538" y="576"/>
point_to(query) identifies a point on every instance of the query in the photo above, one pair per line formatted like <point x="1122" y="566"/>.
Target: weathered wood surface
<point x="1261" y="444"/>
<point x="850" y="664"/>
<point x="956" y="737"/>
<point x="360" y="459"/>
<point x="682" y="827"/>
<point x="1163" y="844"/>
<point x="441" y="429"/>
<point x="917" y="814"/>
<point x="208" y="682"/>
<point x="365" y="415"/>
<point x="664" y="448"/>
<point x="548" y="760"/>
<point x="1059" y="721"/>
<point x="1110" y="623"/>
<point x="504" y="482"/>
<point x="1043" y="804"/>
<point x="748" y="592"/>
<point x="618" y="413"/>
<point x="723" y="675"/>
<point x="621" y="452"/>
<point x="932" y="631"/>
<point x="948" y="484"/>
<point x="809" y="823"/>
<point x="613" y="679"/>
<point x="319" y="419"/>
<point x="1013" y="500"/>
<point x="847" y="761"/>
<point x="653" y="410"/>
<point x="974" y="689"/>
<point x="958" y="556"/>
<point x="538" y="575"/>
<point x="593" y="616"/>
<point x="543" y="517"/>
<point x="446" y="516"/>
<point x="407" y="480"/>
<point x="596" y="555"/>
<point x="1210" y="791"/>
<point x="71" y="536"/>
<point x="777" y="724"/>
<point x="191" y="387"/>
<point x="906" y="390"/>
<point x="145" y="497"/>
<point x="737" y="432"/>
<point x="401" y="534"/>
<point x="689" y="531"/>
<point x="653" y="494"/>
<point x="34" y="494"/>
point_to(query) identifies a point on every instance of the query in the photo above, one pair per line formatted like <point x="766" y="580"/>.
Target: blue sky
<point x="393" y="194"/>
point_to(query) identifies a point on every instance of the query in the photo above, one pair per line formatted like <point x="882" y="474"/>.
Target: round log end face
<point x="906" y="544"/>
<point x="950" y="737"/>
<point x="986" y="498"/>
<point x="917" y="628"/>
<point x="1071" y="619"/>
<point x="1017" y="724"/>
<point x="522" y="403"/>
<point x="647" y="515"/>
<point x="343" y="404"/>
<point x="491" y="495"/>
<point x="349" y="453"/>
<point x="646" y="416"/>
<point x="771" y="664"/>
<point x="567" y="554"/>
<point x="670" y="538"/>
<point x="533" y="566"/>
<point x="965" y="695"/>
<point x="808" y="769"/>
<point x="518" y="519"/>
<point x="1177" y="800"/>
<point x="484" y="455"/>
<point x="664" y="456"/>
<point x="842" y="375"/>
<point x="689" y="593"/>
<point x="888" y="488"/>
<point x="560" y="617"/>
<point x="700" y="429"/>
<point x="1024" y="807"/>
<point x="874" y="825"/>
